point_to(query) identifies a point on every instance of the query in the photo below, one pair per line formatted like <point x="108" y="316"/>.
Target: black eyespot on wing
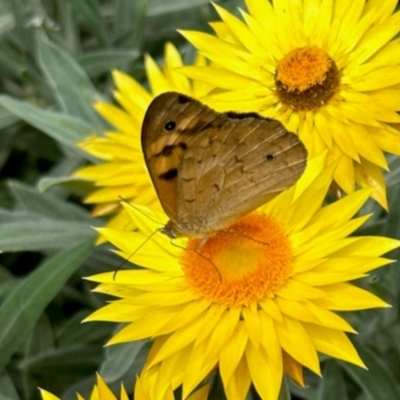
<point x="235" y="115"/>
<point x="170" y="126"/>
<point x="182" y="99"/>
<point x="170" y="175"/>
<point x="269" y="157"/>
<point x="183" y="145"/>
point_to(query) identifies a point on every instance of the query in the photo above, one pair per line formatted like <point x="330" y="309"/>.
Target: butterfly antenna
<point x="139" y="210"/>
<point x="133" y="253"/>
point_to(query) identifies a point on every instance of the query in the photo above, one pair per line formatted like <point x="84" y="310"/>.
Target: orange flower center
<point x="306" y="78"/>
<point x="241" y="266"/>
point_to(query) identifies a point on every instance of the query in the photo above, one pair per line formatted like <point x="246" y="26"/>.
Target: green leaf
<point x="65" y="359"/>
<point x="46" y="183"/>
<point x="284" y="393"/>
<point x="42" y="221"/>
<point x="308" y="392"/>
<point x="43" y="234"/>
<point x="102" y="61"/>
<point x="392" y="226"/>
<point x="41" y="338"/>
<point x="84" y="387"/>
<point x="7" y="23"/>
<point x="14" y="64"/>
<point x="119" y="360"/>
<point x="130" y="22"/>
<point x="24" y="306"/>
<point x="71" y="86"/>
<point x="61" y="127"/>
<point x="46" y="205"/>
<point x="74" y="332"/>
<point x="8" y="283"/>
<point x="157" y="8"/>
<point x="333" y="385"/>
<point x="379" y="382"/>
<point x="93" y="19"/>
<point x="393" y="177"/>
<point x="7" y="388"/>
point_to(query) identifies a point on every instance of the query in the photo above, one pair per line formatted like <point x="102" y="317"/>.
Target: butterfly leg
<point x="231" y="230"/>
<point x="198" y="252"/>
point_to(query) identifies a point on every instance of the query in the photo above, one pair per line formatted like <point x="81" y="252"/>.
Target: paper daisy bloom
<point x="102" y="392"/>
<point x="121" y="172"/>
<point x="328" y="70"/>
<point x="254" y="302"/>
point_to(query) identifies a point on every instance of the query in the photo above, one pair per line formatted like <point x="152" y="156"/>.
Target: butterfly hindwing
<point x="248" y="161"/>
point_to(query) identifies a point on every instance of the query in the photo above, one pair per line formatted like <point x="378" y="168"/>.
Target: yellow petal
<point x="265" y="374"/>
<point x="295" y="340"/>
<point x="173" y="60"/>
<point x="347" y="297"/>
<point x="333" y="343"/>
<point x="103" y="390"/>
<point x="199" y="364"/>
<point x="217" y="76"/>
<point x="295" y="290"/>
<point x="232" y="353"/>
<point x="214" y="314"/>
<point x="120" y="119"/>
<point x="200" y="394"/>
<point x="306" y="311"/>
<point x="369" y="175"/>
<point x="293" y="368"/>
<point x="253" y="325"/>
<point x="239" y="385"/>
<point x="194" y="310"/>
<point x="132" y="89"/>
<point x="157" y="80"/>
<point x="242" y="32"/>
<point x="47" y="395"/>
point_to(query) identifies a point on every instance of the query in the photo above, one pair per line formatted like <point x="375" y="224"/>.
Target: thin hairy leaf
<point x="71" y="86"/>
<point x="378" y="382"/>
<point x="101" y="61"/>
<point x="61" y="127"/>
<point x="22" y="308"/>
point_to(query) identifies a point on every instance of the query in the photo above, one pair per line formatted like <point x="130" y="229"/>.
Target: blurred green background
<point x="55" y="60"/>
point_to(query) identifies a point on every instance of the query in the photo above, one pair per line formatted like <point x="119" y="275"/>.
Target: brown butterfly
<point x="210" y="169"/>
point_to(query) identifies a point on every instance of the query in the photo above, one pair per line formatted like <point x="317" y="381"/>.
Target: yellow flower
<point x="102" y="392"/>
<point x="257" y="301"/>
<point x="121" y="172"/>
<point x="328" y="70"/>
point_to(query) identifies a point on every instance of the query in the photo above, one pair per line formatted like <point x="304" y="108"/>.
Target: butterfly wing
<point x="170" y="120"/>
<point x="240" y="162"/>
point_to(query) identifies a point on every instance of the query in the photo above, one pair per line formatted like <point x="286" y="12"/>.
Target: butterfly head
<point x="175" y="229"/>
<point x="169" y="230"/>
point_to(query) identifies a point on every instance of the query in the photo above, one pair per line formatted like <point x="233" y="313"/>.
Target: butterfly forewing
<point x="170" y="120"/>
<point x="210" y="169"/>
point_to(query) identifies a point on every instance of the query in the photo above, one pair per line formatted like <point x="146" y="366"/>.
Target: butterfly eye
<point x="269" y="157"/>
<point x="170" y="125"/>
